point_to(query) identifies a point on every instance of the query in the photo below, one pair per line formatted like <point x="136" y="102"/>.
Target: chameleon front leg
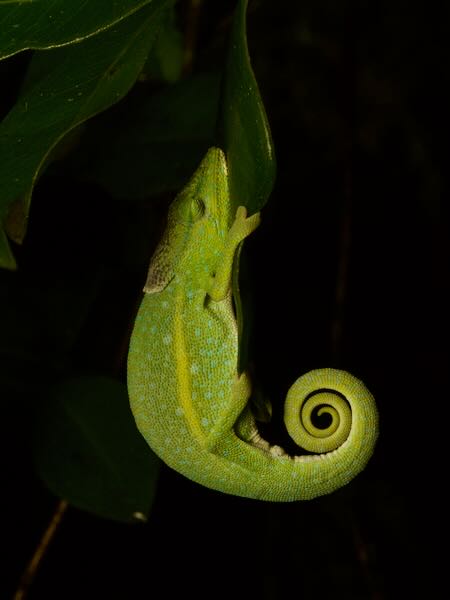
<point x="242" y="227"/>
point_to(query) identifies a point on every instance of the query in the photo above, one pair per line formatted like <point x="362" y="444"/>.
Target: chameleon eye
<point x="198" y="208"/>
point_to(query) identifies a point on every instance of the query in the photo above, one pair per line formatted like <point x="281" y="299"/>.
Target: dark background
<point x="349" y="269"/>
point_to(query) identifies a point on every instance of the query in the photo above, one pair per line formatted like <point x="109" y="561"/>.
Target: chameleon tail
<point x="342" y="448"/>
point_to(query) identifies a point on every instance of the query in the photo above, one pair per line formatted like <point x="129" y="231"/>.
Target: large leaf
<point x="244" y="133"/>
<point x="40" y="24"/>
<point x="244" y="129"/>
<point x="89" y="452"/>
<point x="64" y="88"/>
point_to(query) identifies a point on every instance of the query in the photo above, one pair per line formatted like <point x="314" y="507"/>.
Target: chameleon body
<point x="189" y="401"/>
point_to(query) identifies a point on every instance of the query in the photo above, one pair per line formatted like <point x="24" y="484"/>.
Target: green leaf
<point x="150" y="144"/>
<point x="244" y="133"/>
<point x="89" y="452"/>
<point x="65" y="87"/>
<point x="41" y="24"/>
<point x="244" y="129"/>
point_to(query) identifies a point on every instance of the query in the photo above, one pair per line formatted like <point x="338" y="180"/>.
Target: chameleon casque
<point x="189" y="401"/>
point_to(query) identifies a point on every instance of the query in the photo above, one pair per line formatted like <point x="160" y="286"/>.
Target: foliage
<point x="102" y="100"/>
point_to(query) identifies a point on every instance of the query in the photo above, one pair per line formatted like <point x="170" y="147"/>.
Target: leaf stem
<point x="32" y="568"/>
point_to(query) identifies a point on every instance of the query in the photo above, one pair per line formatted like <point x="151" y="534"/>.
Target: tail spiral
<point x="342" y="396"/>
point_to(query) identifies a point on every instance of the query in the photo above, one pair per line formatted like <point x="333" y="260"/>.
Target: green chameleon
<point x="189" y="401"/>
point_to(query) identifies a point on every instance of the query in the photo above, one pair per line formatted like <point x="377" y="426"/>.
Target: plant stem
<point x="32" y="568"/>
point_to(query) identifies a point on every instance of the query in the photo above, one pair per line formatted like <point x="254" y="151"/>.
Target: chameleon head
<point x="204" y="201"/>
<point x="198" y="220"/>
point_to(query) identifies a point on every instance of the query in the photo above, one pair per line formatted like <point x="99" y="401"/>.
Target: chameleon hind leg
<point x="240" y="395"/>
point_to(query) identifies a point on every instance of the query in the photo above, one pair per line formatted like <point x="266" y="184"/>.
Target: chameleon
<point x="188" y="399"/>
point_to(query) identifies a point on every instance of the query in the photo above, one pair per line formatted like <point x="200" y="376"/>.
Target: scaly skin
<point x="185" y="393"/>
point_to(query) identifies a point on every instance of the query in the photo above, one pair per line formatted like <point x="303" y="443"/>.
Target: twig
<point x="30" y="572"/>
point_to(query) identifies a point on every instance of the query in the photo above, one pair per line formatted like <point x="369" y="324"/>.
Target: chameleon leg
<point x="241" y="394"/>
<point x="242" y="227"/>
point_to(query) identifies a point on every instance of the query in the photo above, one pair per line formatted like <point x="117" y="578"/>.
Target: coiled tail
<point x="341" y="449"/>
